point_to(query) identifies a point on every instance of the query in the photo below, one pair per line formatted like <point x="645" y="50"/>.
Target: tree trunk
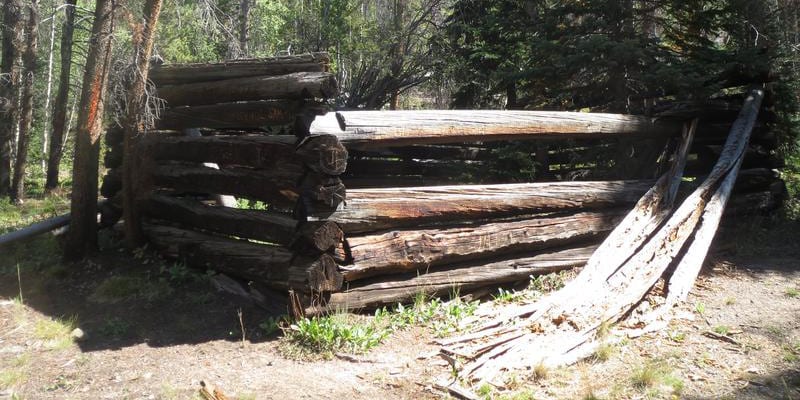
<point x="62" y="98"/>
<point x="135" y="121"/>
<point x="26" y="103"/>
<point x="83" y="227"/>
<point x="9" y="88"/>
<point x="48" y="93"/>
<point x="244" y="28"/>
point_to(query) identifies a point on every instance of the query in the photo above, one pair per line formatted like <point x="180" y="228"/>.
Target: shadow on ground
<point x="122" y="299"/>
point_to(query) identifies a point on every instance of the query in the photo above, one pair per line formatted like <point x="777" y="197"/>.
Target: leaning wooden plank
<point x="300" y="85"/>
<point x="570" y="322"/>
<point x="249" y="114"/>
<point x="388" y="290"/>
<point x="411" y="250"/>
<point x="274" y="187"/>
<point x="176" y="74"/>
<point x="250" y="224"/>
<point x="377" y="209"/>
<point x="366" y="129"/>
<point x="274" y="266"/>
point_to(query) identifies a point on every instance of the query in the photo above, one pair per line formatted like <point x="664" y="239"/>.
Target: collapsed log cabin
<point x="361" y="209"/>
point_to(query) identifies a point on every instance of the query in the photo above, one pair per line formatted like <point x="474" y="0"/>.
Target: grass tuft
<point x="56" y="332"/>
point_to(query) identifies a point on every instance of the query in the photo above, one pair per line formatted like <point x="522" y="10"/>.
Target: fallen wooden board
<point x="370" y="129"/>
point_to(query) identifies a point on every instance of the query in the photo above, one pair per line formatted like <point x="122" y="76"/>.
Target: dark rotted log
<point x="432" y="152"/>
<point x="754" y="203"/>
<point x="323" y="154"/>
<point x="753" y="158"/>
<point x="321" y="193"/>
<point x="274" y="266"/>
<point x="276" y="187"/>
<point x="320" y="235"/>
<point x="300" y="85"/>
<point x="248" y="114"/>
<point x="371" y="129"/>
<point x="112" y="183"/>
<point x="255" y="151"/>
<point x="377" y="209"/>
<point x="433" y="168"/>
<point x="175" y="74"/>
<point x="383" y="181"/>
<point x="113" y="157"/>
<point x="251" y="224"/>
<point x="404" y="288"/>
<point x="264" y="263"/>
<point x="319" y="274"/>
<point x="114" y="136"/>
<point x="410" y="250"/>
<point x="755" y="179"/>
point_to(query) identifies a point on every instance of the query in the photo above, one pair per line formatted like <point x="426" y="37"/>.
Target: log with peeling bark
<point x="245" y="114"/>
<point x="274" y="266"/>
<point x="567" y="321"/>
<point x="371" y="129"/>
<point x="430" y="152"/>
<point x="464" y="277"/>
<point x="176" y="74"/>
<point x="411" y="250"/>
<point x="296" y="86"/>
<point x="378" y="209"/>
<point x="277" y="187"/>
<point x="361" y="167"/>
<point x="250" y="224"/>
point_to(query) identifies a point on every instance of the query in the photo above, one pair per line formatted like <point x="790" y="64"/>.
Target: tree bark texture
<point x="29" y="70"/>
<point x="62" y="99"/>
<point x="83" y="226"/>
<point x="135" y="122"/>
<point x="12" y="30"/>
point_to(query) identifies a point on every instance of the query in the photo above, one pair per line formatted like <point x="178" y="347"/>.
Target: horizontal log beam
<point x="300" y="85"/>
<point x="411" y="250"/>
<point x="175" y="74"/>
<point x="391" y="290"/>
<point x="274" y="266"/>
<point x="256" y="151"/>
<point x="274" y="187"/>
<point x="370" y="129"/>
<point x="377" y="209"/>
<point x="250" y="224"/>
<point x="242" y="115"/>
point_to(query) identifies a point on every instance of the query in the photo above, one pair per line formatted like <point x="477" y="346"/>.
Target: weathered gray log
<point x="370" y="129"/>
<point x="249" y="114"/>
<point x="389" y="290"/>
<point x="250" y="224"/>
<point x="175" y="74"/>
<point x="277" y="187"/>
<point x="377" y="209"/>
<point x="300" y="85"/>
<point x="273" y="266"/>
<point x="411" y="250"/>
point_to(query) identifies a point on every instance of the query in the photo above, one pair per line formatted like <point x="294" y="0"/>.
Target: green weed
<point x="333" y="333"/>
<point x="56" y="332"/>
<point x="792" y="292"/>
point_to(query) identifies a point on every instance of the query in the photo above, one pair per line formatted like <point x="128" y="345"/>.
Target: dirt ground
<point x="166" y="331"/>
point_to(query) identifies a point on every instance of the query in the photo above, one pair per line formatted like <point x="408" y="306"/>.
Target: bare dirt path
<point x="155" y="331"/>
